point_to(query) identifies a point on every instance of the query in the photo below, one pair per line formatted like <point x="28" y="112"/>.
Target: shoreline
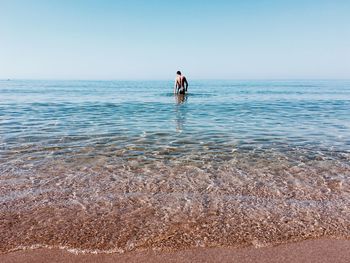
<point x="318" y="250"/>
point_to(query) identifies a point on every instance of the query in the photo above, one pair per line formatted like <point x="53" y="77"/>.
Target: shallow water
<point x="112" y="166"/>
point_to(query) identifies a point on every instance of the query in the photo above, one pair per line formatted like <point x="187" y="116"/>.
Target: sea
<point x="117" y="166"/>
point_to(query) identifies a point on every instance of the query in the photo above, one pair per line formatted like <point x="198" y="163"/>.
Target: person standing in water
<point x="181" y="83"/>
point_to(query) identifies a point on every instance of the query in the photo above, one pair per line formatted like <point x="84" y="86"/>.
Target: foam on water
<point x="118" y="166"/>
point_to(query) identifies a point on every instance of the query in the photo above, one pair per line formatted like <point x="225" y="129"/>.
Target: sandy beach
<point x="324" y="250"/>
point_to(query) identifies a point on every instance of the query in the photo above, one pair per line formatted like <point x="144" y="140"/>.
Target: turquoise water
<point x="272" y="154"/>
<point x="216" y="116"/>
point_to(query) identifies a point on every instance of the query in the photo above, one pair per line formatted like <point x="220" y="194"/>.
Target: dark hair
<point x="178" y="72"/>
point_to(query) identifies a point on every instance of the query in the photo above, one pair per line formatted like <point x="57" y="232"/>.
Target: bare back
<point x="180" y="81"/>
<point x="181" y="84"/>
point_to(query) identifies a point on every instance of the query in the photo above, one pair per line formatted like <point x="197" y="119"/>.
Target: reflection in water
<point x="180" y="98"/>
<point x="180" y="111"/>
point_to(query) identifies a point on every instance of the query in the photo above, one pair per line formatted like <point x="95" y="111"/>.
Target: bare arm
<point x="175" y="86"/>
<point x="186" y="83"/>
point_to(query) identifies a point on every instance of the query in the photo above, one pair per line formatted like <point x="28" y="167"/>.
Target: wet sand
<point x="307" y="251"/>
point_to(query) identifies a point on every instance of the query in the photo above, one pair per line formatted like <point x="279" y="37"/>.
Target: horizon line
<point x="166" y="79"/>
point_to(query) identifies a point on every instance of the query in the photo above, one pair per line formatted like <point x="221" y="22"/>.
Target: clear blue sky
<point x="242" y="39"/>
